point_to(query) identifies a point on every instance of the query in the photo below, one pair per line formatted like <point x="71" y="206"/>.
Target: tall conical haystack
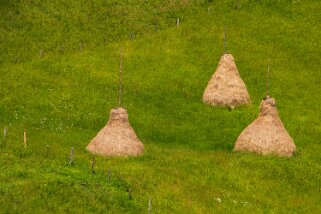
<point x="266" y="135"/>
<point x="226" y="88"/>
<point x="117" y="138"/>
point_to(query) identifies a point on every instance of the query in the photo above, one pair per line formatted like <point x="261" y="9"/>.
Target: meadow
<point x="59" y="67"/>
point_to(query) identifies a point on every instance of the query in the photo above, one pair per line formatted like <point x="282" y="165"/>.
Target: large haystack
<point x="266" y="135"/>
<point x="226" y="88"/>
<point x="117" y="138"/>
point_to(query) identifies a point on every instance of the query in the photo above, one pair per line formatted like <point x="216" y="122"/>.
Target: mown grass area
<point x="59" y="67"/>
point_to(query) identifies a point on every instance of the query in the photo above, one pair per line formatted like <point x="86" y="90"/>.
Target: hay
<point x="117" y="138"/>
<point x="266" y="135"/>
<point x="226" y="88"/>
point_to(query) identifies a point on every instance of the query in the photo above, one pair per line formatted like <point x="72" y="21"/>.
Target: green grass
<point x="63" y="97"/>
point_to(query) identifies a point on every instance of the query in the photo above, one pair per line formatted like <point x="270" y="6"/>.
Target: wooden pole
<point x="224" y="39"/>
<point x="109" y="174"/>
<point x="267" y="78"/>
<point x="25" y="138"/>
<point x="71" y="156"/>
<point x="149" y="205"/>
<point x="80" y="46"/>
<point x="4" y="133"/>
<point x="93" y="164"/>
<point x="120" y="77"/>
<point x="129" y="193"/>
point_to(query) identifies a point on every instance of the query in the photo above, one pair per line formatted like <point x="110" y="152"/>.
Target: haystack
<point x="266" y="135"/>
<point x="117" y="138"/>
<point x="226" y="88"/>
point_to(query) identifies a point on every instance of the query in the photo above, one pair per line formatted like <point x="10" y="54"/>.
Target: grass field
<point x="59" y="65"/>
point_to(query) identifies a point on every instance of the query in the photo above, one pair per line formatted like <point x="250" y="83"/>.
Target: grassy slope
<point x="63" y="99"/>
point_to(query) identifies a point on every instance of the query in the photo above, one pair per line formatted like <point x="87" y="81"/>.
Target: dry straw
<point x="266" y="134"/>
<point x="226" y="88"/>
<point x="117" y="138"/>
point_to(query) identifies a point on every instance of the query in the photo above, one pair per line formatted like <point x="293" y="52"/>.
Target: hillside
<point x="59" y="66"/>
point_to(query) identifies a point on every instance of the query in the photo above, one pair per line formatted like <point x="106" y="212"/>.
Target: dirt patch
<point x="266" y="134"/>
<point x="226" y="88"/>
<point x="117" y="138"/>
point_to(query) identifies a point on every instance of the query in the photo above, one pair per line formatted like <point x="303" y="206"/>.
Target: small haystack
<point x="226" y="88"/>
<point x="117" y="138"/>
<point x="266" y="135"/>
